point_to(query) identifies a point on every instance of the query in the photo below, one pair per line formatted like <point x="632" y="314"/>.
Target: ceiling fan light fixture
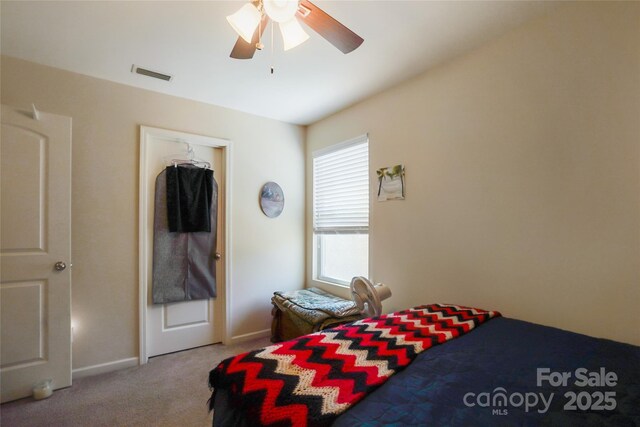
<point x="280" y="10"/>
<point x="292" y="33"/>
<point x="288" y="14"/>
<point x="245" y="21"/>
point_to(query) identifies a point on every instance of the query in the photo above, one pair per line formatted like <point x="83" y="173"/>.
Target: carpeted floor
<point x="170" y="390"/>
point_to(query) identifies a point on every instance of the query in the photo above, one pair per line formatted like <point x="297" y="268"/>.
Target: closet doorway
<point x="176" y="326"/>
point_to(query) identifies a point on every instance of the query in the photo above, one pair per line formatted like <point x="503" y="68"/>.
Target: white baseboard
<point x="104" y="368"/>
<point x="250" y="336"/>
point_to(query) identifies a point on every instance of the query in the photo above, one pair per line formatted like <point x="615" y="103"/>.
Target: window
<point x="341" y="211"/>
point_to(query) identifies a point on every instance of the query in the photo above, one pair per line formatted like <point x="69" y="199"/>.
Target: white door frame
<point x="145" y="134"/>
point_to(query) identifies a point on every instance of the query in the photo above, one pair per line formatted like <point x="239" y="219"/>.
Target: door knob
<point x="59" y="266"/>
<point x="217" y="256"/>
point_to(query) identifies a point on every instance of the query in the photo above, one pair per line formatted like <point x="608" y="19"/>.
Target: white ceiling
<point x="192" y="42"/>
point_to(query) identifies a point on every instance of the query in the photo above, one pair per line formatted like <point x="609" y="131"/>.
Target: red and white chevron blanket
<point x="312" y="379"/>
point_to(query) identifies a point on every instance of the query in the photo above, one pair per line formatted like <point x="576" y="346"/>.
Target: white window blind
<point x="341" y="188"/>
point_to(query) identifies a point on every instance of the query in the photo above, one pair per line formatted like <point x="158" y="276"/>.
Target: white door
<point x="35" y="217"/>
<point x="181" y="325"/>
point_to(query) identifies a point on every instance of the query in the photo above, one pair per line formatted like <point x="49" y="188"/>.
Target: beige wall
<point x="268" y="254"/>
<point x="523" y="167"/>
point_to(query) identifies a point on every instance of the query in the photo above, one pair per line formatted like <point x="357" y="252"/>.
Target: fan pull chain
<point x="272" y="25"/>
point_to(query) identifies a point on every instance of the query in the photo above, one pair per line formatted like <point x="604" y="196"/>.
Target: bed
<point x="503" y="372"/>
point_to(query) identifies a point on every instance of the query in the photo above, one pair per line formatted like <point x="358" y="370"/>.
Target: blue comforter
<point x="490" y="377"/>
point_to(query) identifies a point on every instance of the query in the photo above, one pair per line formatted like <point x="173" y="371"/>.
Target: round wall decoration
<point x="271" y="199"/>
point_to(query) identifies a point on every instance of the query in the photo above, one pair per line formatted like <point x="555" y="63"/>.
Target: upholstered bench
<point x="302" y="312"/>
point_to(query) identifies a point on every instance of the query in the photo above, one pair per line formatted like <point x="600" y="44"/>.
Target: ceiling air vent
<point x="149" y="73"/>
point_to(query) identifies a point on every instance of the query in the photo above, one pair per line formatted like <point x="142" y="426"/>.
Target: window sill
<point x="333" y="288"/>
<point x="326" y="282"/>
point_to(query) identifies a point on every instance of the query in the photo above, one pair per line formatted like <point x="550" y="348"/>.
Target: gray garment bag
<point x="184" y="267"/>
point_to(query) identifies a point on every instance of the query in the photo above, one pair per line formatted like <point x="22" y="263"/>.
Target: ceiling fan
<point x="252" y="18"/>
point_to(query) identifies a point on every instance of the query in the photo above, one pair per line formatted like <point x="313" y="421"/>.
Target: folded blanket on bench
<point x="312" y="379"/>
<point x="315" y="306"/>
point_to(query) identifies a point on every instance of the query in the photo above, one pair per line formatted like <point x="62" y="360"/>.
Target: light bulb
<point x="245" y="21"/>
<point x="281" y="10"/>
<point x="292" y="33"/>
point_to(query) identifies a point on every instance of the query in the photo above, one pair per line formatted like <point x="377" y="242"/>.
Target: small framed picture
<point x="271" y="199"/>
<point x="391" y="183"/>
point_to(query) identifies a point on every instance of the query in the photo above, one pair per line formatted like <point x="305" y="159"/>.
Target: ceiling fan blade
<point x="329" y="28"/>
<point x="244" y="50"/>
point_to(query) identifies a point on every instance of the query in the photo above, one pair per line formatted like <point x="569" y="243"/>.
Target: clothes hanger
<point x="190" y="159"/>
